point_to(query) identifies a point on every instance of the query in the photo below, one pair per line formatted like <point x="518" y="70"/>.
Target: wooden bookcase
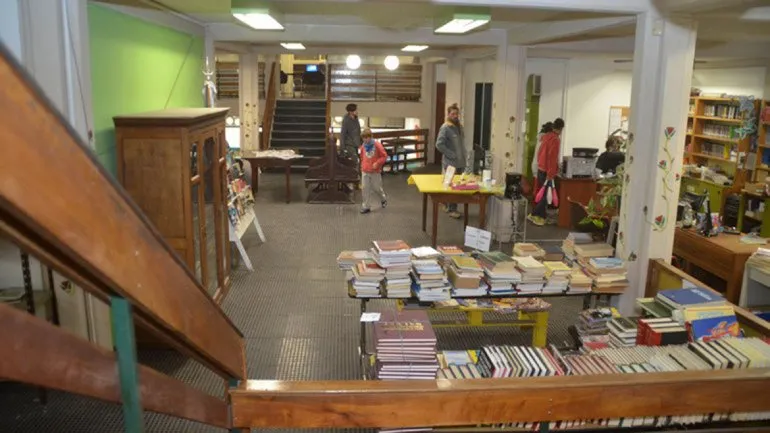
<point x="173" y="164"/>
<point x="711" y="142"/>
<point x="763" y="144"/>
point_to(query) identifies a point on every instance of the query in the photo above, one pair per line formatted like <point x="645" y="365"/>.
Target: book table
<point x="432" y="185"/>
<point x="537" y="320"/>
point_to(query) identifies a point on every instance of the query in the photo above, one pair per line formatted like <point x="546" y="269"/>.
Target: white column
<point x="508" y="93"/>
<point x="663" y="61"/>
<point x="248" y="80"/>
<point x="287" y="65"/>
<point x="10" y="27"/>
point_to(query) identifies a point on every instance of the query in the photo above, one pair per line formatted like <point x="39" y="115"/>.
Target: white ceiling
<point x="559" y="27"/>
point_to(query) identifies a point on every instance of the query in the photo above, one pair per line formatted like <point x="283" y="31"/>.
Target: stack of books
<point x="405" y="346"/>
<point x="528" y="250"/>
<point x="367" y="278"/>
<point x="430" y="281"/>
<point x="465" y="275"/>
<point x="347" y="260"/>
<point x="395" y="258"/>
<point x="608" y="273"/>
<point x="426" y="253"/>
<point x="532" y="274"/>
<point x="711" y="322"/>
<point x="500" y="273"/>
<point x="574" y="238"/>
<point x="557" y="277"/>
<point x="585" y="252"/>
<point x="593" y="321"/>
<point x="661" y="331"/>
<point x="579" y="282"/>
<point x="623" y="331"/>
<point x="678" y="299"/>
<point x="458" y="364"/>
<point x="447" y="252"/>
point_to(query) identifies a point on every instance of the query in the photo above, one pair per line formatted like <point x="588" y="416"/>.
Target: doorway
<point x="440" y="107"/>
<point x="482" y="125"/>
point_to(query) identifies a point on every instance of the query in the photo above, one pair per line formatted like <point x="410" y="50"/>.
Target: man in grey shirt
<point x="450" y="143"/>
<point x="350" y="133"/>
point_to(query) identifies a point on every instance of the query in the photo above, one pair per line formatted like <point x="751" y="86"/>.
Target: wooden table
<point x="724" y="256"/>
<point x="270" y="162"/>
<point x="580" y="190"/>
<point x="431" y="185"/>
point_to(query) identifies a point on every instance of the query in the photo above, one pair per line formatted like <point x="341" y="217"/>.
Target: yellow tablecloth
<point x="434" y="183"/>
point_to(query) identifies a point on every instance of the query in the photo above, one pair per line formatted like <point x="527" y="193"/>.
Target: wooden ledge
<point x="392" y="404"/>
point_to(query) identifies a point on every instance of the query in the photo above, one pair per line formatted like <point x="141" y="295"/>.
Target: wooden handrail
<point x="267" y="118"/>
<point x="329" y="134"/>
<point x="92" y="226"/>
<point x="38" y="353"/>
<point x="395" y="404"/>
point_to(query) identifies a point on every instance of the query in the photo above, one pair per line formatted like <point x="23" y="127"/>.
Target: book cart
<point x="172" y="304"/>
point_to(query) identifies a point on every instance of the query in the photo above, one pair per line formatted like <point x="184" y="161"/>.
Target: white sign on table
<point x="449" y="174"/>
<point x="477" y="239"/>
<point x="370" y="317"/>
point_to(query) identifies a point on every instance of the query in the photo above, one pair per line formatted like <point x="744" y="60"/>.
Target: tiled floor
<point x="293" y="309"/>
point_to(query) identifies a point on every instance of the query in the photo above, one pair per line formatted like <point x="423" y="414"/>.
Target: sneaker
<point x="445" y="208"/>
<point x="456" y="215"/>
<point x="365" y="211"/>
<point x="536" y="220"/>
<point x="384" y="204"/>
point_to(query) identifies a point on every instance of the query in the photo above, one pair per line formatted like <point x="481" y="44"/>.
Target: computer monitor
<point x="311" y="68"/>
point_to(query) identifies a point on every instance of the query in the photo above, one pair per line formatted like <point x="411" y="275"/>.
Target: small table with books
<point x="432" y="185"/>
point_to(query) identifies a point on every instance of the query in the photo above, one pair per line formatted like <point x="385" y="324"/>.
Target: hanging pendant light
<point x="353" y="61"/>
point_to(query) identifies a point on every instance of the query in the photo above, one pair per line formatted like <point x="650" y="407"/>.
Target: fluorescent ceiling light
<point x="292" y="45"/>
<point x="391" y="63"/>
<point x="463" y="23"/>
<point x="258" y="19"/>
<point x="414" y="48"/>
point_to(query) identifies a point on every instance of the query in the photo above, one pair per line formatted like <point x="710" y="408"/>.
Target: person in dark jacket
<point x="547" y="168"/>
<point x="350" y="133"/>
<point x="609" y="161"/>
<point x="450" y="142"/>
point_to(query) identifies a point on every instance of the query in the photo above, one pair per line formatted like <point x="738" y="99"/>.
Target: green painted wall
<point x="138" y="66"/>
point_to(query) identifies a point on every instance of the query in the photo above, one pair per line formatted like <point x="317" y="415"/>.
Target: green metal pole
<point x="128" y="369"/>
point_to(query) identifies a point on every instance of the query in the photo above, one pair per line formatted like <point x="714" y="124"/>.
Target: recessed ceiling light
<point x="292" y="45"/>
<point x="258" y="19"/>
<point x="391" y="63"/>
<point x="463" y="23"/>
<point x="414" y="48"/>
<point x="353" y="61"/>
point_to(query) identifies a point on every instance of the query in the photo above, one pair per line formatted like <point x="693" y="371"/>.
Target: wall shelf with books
<point x="717" y="150"/>
<point x="763" y="155"/>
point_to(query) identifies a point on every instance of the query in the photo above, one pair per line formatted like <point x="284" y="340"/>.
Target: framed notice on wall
<point x="618" y="119"/>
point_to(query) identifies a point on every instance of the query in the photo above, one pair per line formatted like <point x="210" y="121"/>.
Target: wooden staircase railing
<point x="88" y="229"/>
<point x="267" y="118"/>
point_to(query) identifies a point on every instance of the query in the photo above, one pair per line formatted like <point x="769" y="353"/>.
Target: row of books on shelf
<point x="392" y="269"/>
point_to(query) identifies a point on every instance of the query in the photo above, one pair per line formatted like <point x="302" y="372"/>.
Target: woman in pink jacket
<point x="373" y="157"/>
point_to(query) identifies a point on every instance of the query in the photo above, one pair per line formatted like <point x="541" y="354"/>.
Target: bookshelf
<point x="712" y="141"/>
<point x="228" y="80"/>
<point x="763" y="144"/>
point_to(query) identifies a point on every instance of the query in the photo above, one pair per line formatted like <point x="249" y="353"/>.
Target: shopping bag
<point x="553" y="196"/>
<point x="541" y="193"/>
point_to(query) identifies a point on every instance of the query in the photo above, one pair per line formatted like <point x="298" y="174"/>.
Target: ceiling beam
<point x="608" y="6"/>
<point x="347" y="34"/>
<point x="528" y="34"/>
<point x="702" y="6"/>
<point x="361" y="51"/>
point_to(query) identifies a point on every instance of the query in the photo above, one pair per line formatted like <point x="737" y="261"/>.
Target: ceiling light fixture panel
<point x="293" y="45"/>
<point x="414" y="48"/>
<point x="463" y="23"/>
<point x="258" y="19"/>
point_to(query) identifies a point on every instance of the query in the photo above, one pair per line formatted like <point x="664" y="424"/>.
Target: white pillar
<point x="454" y="82"/>
<point x="508" y="93"/>
<point x="663" y="61"/>
<point x="248" y="92"/>
<point x="10" y="27"/>
<point x="287" y="65"/>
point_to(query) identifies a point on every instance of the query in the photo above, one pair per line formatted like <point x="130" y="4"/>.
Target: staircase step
<point x="281" y="111"/>
<point x="293" y="143"/>
<point x="299" y="135"/>
<point x="318" y="120"/>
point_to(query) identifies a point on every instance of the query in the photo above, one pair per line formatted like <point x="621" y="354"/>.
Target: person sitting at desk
<point x="609" y="161"/>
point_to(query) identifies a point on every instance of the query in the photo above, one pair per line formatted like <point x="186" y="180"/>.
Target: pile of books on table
<point x="347" y="260"/>
<point x="367" y="278"/>
<point x="458" y="364"/>
<point x="557" y="277"/>
<point x="595" y="321"/>
<point x="579" y="282"/>
<point x="574" y="238"/>
<point x="465" y="275"/>
<point x="500" y="273"/>
<point x="623" y="331"/>
<point x="660" y="331"/>
<point x="395" y="258"/>
<point x="608" y="273"/>
<point x="429" y="280"/>
<point x="532" y="274"/>
<point x="405" y="346"/>
<point x="524" y="249"/>
<point x="585" y="252"/>
<point x="447" y="252"/>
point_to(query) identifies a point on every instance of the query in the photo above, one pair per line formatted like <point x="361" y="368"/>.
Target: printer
<point x="581" y="164"/>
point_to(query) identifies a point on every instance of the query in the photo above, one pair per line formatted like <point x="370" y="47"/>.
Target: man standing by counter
<point x="451" y="145"/>
<point x="547" y="168"/>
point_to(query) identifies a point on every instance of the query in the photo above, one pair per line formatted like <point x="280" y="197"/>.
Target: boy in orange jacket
<point x="373" y="157"/>
<point x="547" y="168"/>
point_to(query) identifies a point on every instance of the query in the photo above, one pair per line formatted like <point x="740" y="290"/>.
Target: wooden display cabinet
<point x="173" y="164"/>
